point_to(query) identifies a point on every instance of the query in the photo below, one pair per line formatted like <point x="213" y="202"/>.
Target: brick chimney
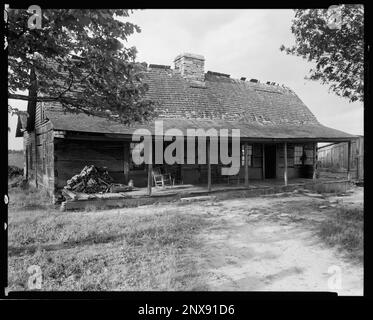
<point x="190" y="66"/>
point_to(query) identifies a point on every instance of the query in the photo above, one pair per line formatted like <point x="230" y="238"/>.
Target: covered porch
<point x="264" y="164"/>
<point x="272" y="153"/>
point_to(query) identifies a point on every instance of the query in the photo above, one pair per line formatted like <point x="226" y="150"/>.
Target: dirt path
<point x="261" y="244"/>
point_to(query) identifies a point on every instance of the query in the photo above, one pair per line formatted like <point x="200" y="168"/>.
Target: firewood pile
<point x="91" y="179"/>
<point x="14" y="171"/>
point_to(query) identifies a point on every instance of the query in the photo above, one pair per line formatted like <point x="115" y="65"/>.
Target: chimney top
<point x="190" y="66"/>
<point x="190" y="55"/>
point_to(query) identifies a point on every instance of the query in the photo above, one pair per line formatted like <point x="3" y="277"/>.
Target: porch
<point x="185" y="190"/>
<point x="140" y="196"/>
<point x="262" y="166"/>
<point x="261" y="162"/>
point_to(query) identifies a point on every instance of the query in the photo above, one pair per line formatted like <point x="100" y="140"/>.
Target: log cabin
<point x="278" y="133"/>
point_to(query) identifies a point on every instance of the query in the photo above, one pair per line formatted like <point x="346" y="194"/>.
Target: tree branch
<point x="30" y="98"/>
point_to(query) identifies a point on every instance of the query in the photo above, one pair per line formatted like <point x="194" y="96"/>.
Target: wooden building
<point x="334" y="157"/>
<point x="278" y="133"/>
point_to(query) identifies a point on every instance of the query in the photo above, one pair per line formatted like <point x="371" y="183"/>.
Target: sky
<point x="240" y="42"/>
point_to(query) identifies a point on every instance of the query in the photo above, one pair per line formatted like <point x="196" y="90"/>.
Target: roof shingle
<point x="258" y="110"/>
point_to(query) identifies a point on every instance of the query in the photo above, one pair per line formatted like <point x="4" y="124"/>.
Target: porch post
<point x="208" y="164"/>
<point x="314" y="161"/>
<point x="263" y="163"/>
<point x="357" y="164"/>
<point x="36" y="160"/>
<point x="27" y="150"/>
<point x="285" y="164"/>
<point x="246" y="165"/>
<point x="150" y="182"/>
<point x="126" y="160"/>
<point x="349" y="160"/>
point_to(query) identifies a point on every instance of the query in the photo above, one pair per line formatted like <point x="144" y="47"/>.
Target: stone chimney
<point x="190" y="66"/>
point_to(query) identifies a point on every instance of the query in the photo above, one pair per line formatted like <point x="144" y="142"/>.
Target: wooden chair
<point x="160" y="179"/>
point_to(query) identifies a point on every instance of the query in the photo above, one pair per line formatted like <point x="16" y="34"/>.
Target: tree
<point x="334" y="41"/>
<point x="77" y="59"/>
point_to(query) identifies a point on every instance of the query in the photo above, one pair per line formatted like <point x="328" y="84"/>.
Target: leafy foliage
<point x="78" y="61"/>
<point x="337" y="52"/>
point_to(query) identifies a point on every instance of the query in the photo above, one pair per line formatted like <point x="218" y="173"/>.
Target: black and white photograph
<point x="193" y="150"/>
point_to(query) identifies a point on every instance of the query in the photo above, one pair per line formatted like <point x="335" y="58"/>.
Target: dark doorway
<point x="270" y="161"/>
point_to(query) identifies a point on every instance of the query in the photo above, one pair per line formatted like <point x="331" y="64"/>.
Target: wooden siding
<point x="39" y="115"/>
<point x="29" y="147"/>
<point x="45" y="156"/>
<point x="39" y="149"/>
<point x="335" y="157"/>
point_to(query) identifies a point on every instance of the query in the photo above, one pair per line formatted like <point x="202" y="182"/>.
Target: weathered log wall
<point x="45" y="157"/>
<point x="39" y="152"/>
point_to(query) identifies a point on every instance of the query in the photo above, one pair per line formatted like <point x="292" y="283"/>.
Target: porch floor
<point x="189" y="189"/>
<point x="140" y="196"/>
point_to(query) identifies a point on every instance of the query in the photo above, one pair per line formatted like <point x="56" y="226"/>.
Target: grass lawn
<point x="134" y="249"/>
<point x="15" y="158"/>
<point x="183" y="246"/>
<point x="344" y="229"/>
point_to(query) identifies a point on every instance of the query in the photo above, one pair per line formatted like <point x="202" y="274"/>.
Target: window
<point x="309" y="157"/>
<point x="249" y="155"/>
<point x="298" y="152"/>
<point x="134" y="150"/>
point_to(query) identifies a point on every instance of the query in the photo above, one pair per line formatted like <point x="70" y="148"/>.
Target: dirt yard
<point x="284" y="242"/>
<point x="272" y="244"/>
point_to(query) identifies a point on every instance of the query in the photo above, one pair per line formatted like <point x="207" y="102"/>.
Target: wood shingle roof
<point x="259" y="110"/>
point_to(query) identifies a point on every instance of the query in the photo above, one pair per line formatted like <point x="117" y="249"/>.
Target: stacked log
<point x="14" y="171"/>
<point x="91" y="179"/>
